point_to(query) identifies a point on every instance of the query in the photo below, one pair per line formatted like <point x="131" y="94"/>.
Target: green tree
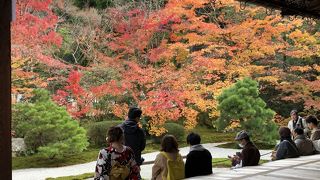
<point x="242" y="102"/>
<point x="102" y="4"/>
<point x="47" y="128"/>
<point x="99" y="4"/>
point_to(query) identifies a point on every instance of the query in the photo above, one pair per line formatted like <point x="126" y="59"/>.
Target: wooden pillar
<point x="5" y="90"/>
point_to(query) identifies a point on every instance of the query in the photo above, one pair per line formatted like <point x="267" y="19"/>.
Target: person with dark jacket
<point x="199" y="159"/>
<point x="249" y="156"/>
<point x="134" y="136"/>
<point x="286" y="148"/>
<point x="304" y="145"/>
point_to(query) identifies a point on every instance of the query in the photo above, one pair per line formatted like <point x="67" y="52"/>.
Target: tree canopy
<point x="48" y="128"/>
<point x="172" y="59"/>
<point x="241" y="105"/>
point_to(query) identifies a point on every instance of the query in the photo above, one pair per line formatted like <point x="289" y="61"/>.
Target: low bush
<point x="97" y="132"/>
<point x="175" y="129"/>
<point x="172" y="128"/>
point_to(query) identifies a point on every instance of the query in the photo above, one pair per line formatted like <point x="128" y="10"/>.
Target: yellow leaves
<point x="178" y="52"/>
<point x="300" y="68"/>
<point x="214" y="114"/>
<point x="316" y="67"/>
<point x="194" y="38"/>
<point x="218" y="51"/>
<point x="156" y="130"/>
<point x="209" y="64"/>
<point x="120" y="110"/>
<point x="183" y="7"/>
<point x="191" y="117"/>
<point x="305" y="44"/>
<point x="19" y="62"/>
<point x="257" y="69"/>
<point x="158" y="119"/>
<point x="297" y="22"/>
<point x="220" y="85"/>
<point x="272" y="79"/>
<point x="185" y="3"/>
<point x="300" y="37"/>
<point x="23" y="78"/>
<point x="227" y="3"/>
<point x="233" y="125"/>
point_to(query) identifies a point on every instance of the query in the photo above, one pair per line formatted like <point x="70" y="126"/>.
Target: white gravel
<point x="43" y="173"/>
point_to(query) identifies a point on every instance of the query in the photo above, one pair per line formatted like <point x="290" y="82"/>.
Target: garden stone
<point x="18" y="145"/>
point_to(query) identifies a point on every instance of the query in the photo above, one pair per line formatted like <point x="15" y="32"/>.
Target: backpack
<point x="175" y="167"/>
<point x="119" y="172"/>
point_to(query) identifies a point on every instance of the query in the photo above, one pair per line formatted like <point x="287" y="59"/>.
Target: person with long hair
<point x="166" y="159"/>
<point x="116" y="161"/>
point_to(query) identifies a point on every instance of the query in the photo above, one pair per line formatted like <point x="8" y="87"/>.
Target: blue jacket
<point x="287" y="149"/>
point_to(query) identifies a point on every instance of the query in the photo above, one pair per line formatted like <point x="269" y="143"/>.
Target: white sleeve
<point x="237" y="166"/>
<point x="290" y="125"/>
<point x="304" y="123"/>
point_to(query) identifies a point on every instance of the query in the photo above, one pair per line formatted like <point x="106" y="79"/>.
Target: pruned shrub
<point x="97" y="132"/>
<point x="175" y="129"/>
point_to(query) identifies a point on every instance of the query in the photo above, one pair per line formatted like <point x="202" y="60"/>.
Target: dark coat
<point x="287" y="149"/>
<point x="304" y="145"/>
<point x="134" y="137"/>
<point x="250" y="155"/>
<point x="199" y="162"/>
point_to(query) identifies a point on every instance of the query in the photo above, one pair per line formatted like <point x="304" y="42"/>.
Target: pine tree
<point x="47" y="128"/>
<point x="242" y="102"/>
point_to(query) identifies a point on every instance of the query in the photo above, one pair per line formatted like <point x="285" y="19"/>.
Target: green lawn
<point x="234" y="145"/>
<point x="211" y="136"/>
<point x="226" y="163"/>
<point x="36" y="161"/>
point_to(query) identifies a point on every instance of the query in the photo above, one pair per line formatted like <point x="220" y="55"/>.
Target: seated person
<point x="249" y="156"/>
<point x="304" y="145"/>
<point x="286" y="148"/>
<point x="312" y="123"/>
<point x="116" y="161"/>
<point x="168" y="157"/>
<point x="199" y="159"/>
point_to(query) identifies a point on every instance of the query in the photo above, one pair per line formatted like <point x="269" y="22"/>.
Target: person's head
<point x="242" y="137"/>
<point x="298" y="131"/>
<point x="169" y="144"/>
<point x="134" y="113"/>
<point x="115" y="134"/>
<point x="312" y="122"/>
<point x="284" y="132"/>
<point x="193" y="139"/>
<point x="294" y="114"/>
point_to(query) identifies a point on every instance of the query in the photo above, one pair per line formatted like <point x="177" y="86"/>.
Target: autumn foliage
<point x="33" y="37"/>
<point x="173" y="61"/>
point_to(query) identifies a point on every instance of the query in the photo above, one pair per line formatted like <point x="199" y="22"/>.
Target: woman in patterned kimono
<point x="116" y="161"/>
